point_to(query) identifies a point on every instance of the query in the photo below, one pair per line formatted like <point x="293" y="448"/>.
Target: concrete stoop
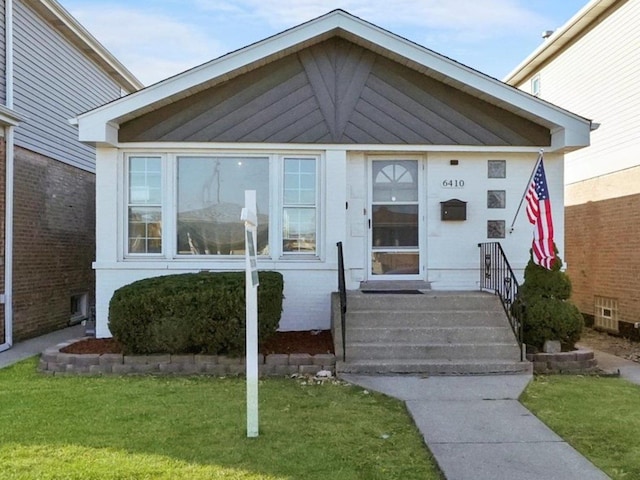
<point x="433" y="333"/>
<point x="433" y="367"/>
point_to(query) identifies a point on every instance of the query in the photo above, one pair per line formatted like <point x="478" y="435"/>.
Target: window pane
<point x="145" y="199"/>
<point x="299" y="224"/>
<point x="395" y="263"/>
<point x="291" y="197"/>
<point x="395" y="181"/>
<point x="299" y="230"/>
<point x="307" y="197"/>
<point x="300" y="181"/>
<point x="395" y="225"/>
<point x="145" y="181"/>
<point x="211" y="198"/>
<point x="145" y="230"/>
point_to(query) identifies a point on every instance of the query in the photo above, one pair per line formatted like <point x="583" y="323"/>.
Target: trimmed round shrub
<point x="552" y="319"/>
<point x="192" y="313"/>
<point x="548" y="313"/>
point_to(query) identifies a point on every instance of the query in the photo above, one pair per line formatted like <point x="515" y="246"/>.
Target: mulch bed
<point x="312" y="342"/>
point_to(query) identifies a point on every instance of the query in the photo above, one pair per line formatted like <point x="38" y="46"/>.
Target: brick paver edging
<point x="578" y="361"/>
<point x="54" y="362"/>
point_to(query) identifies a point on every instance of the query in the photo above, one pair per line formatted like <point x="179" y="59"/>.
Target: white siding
<point x="597" y="77"/>
<point x="3" y="92"/>
<point x="54" y="82"/>
<point x="452" y="256"/>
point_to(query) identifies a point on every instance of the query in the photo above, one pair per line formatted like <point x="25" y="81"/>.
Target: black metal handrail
<point x="343" y="299"/>
<point x="497" y="276"/>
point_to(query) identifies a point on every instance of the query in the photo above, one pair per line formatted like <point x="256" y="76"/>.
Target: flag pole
<point x="526" y="188"/>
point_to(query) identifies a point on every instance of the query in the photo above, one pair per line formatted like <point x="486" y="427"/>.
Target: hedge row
<point x="192" y="313"/>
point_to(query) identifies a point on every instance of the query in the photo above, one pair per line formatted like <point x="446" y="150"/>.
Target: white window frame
<point x="281" y="207"/>
<point x="169" y="205"/>
<point x="173" y="194"/>
<point x="535" y="85"/>
<point x="163" y="207"/>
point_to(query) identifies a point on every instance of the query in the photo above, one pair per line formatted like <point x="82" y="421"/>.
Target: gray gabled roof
<point x="568" y="130"/>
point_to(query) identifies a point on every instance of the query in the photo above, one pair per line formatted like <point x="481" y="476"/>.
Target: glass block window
<point x="497" y="169"/>
<point x="299" y="206"/>
<point x="145" y="205"/>
<point x="496" y="199"/>
<point x="496" y="229"/>
<point x="606" y="314"/>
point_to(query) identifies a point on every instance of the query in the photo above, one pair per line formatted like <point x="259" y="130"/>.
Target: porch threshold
<point x="392" y="285"/>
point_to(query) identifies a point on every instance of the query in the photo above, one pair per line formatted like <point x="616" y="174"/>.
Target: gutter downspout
<point x="9" y="168"/>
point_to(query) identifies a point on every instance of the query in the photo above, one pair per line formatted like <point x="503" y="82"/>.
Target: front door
<point x="394" y="225"/>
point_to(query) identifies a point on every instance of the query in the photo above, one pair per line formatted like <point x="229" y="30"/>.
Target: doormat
<point x="396" y="292"/>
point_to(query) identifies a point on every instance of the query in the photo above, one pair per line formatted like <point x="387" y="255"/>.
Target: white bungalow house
<point x="348" y="133"/>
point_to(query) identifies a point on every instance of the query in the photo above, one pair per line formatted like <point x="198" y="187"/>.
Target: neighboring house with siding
<point x="348" y="133"/>
<point x="591" y="66"/>
<point x="51" y="69"/>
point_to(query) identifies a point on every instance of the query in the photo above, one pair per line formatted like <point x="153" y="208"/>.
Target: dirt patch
<point x="621" y="347"/>
<point x="312" y="342"/>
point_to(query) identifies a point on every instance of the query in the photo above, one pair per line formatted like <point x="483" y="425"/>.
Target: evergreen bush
<point x="192" y="313"/>
<point x="548" y="313"/>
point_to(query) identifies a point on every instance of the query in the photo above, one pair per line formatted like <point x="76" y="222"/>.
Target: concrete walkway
<point x="627" y="369"/>
<point x="37" y="345"/>
<point x="477" y="430"/>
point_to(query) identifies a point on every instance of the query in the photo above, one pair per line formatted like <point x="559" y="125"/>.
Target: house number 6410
<point x="453" y="183"/>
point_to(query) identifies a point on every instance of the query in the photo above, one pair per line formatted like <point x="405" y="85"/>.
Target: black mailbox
<point x="453" y="209"/>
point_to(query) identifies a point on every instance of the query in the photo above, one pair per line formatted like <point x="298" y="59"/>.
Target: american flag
<point x="539" y="213"/>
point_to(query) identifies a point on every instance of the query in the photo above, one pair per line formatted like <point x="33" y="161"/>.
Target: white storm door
<point x="394" y="220"/>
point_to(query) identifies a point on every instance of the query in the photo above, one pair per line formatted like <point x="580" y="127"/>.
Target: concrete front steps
<point x="433" y="333"/>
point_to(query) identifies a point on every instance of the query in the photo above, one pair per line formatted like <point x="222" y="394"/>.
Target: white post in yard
<point x="250" y="218"/>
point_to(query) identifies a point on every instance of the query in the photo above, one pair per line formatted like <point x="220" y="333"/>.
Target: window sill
<point x="200" y="264"/>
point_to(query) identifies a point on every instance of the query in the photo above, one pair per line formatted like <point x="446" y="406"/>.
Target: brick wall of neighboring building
<point x="54" y="242"/>
<point x="3" y="164"/>
<point x="602" y="241"/>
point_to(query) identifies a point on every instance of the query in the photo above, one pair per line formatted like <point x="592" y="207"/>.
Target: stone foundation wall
<point x="55" y="362"/>
<point x="578" y="361"/>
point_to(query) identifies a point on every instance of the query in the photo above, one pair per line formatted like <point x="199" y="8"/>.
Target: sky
<point x="156" y="39"/>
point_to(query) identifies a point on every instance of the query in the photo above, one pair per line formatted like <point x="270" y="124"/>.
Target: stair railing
<point x="343" y="299"/>
<point x="497" y="276"/>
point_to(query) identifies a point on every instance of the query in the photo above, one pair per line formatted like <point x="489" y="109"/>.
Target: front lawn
<point x="195" y="428"/>
<point x="599" y="417"/>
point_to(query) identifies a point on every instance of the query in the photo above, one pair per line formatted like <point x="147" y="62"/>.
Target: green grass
<point x="195" y="428"/>
<point x="600" y="417"/>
